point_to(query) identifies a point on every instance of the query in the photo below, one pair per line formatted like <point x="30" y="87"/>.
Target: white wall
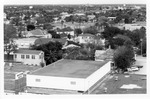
<point x="96" y="76"/>
<point x="81" y="84"/>
<point x="29" y="61"/>
<point x="86" y="39"/>
<point x="56" y="82"/>
<point x="132" y="26"/>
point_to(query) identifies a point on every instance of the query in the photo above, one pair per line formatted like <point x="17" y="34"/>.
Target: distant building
<point x="91" y="17"/>
<point x="24" y="42"/>
<point x="29" y="57"/>
<point x="133" y="26"/>
<point x="77" y="75"/>
<point x="67" y="31"/>
<point x="41" y="41"/>
<point x="103" y="55"/>
<point x="70" y="44"/>
<point x="85" y="38"/>
<point x="111" y="18"/>
<point x="38" y="33"/>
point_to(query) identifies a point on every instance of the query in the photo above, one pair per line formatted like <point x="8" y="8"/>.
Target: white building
<point x="132" y="27"/>
<point x="29" y="57"/>
<point x="65" y="74"/>
<point x="38" y="33"/>
<point x="85" y="38"/>
<point x="24" y="42"/>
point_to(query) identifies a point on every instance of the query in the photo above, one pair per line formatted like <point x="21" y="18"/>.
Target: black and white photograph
<point x="73" y="47"/>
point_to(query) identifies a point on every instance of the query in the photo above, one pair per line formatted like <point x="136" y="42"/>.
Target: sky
<point x="7" y="2"/>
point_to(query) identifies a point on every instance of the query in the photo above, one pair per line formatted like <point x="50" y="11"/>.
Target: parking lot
<point x="135" y="78"/>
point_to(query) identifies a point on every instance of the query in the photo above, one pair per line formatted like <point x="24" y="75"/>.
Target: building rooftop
<point x="70" y="68"/>
<point x="26" y="39"/>
<point x="47" y="40"/>
<point x="86" y="34"/>
<point x="28" y="51"/>
<point x="37" y="32"/>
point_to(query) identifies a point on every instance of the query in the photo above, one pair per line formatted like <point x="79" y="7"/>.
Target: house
<point x="29" y="57"/>
<point x="134" y="26"/>
<point x="76" y="75"/>
<point x="131" y="27"/>
<point x="99" y="40"/>
<point x="111" y="18"/>
<point x="66" y="30"/>
<point x="102" y="55"/>
<point x="38" y="33"/>
<point x="70" y="44"/>
<point x="85" y="38"/>
<point x="24" y="42"/>
<point x="91" y="17"/>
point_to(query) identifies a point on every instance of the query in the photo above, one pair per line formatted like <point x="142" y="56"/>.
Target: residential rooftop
<point x="86" y="34"/>
<point x="70" y="68"/>
<point x="37" y="32"/>
<point x="28" y="52"/>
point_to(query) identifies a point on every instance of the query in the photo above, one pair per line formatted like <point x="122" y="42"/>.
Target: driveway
<point x="141" y="61"/>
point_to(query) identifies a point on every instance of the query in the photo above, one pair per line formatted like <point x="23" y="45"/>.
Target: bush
<point x="42" y="64"/>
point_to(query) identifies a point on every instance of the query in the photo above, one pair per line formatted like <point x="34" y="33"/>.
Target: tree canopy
<point x="91" y="30"/>
<point x="109" y="33"/>
<point x="52" y="51"/>
<point x="123" y="58"/>
<point x="9" y="33"/>
<point x="77" y="31"/>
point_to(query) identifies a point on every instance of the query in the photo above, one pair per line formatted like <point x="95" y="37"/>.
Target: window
<point x="37" y="80"/>
<point x="33" y="56"/>
<point x="22" y="56"/>
<point x="15" y="55"/>
<point x="73" y="83"/>
<point x="27" y="56"/>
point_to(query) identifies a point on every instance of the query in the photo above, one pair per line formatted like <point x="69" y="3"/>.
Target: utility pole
<point x="141" y="46"/>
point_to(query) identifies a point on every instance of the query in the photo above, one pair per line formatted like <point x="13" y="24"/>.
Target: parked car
<point x="139" y="66"/>
<point x="134" y="68"/>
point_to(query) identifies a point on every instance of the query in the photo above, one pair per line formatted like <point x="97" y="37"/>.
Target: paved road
<point x="141" y="61"/>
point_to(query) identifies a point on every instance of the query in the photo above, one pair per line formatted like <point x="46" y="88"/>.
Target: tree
<point x="123" y="57"/>
<point x="136" y="35"/>
<point x="120" y="40"/>
<point x="69" y="36"/>
<point x="101" y="22"/>
<point x="48" y="26"/>
<point x="86" y="52"/>
<point x="52" y="51"/>
<point x="62" y="23"/>
<point x="90" y="30"/>
<point x="109" y="33"/>
<point x="8" y="48"/>
<point x="54" y="34"/>
<point x="30" y="27"/>
<point x="144" y="49"/>
<point x="9" y="33"/>
<point x="77" y="31"/>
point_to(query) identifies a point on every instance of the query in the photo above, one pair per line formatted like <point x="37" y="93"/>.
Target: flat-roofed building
<point x="76" y="75"/>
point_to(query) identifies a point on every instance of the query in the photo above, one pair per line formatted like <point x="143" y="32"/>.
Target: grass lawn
<point x="9" y="73"/>
<point x="113" y="86"/>
<point x="19" y="67"/>
<point x="9" y="85"/>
